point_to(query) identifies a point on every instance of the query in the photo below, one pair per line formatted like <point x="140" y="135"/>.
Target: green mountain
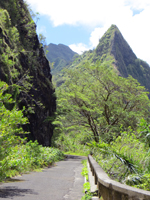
<point x="112" y="46"/>
<point x="61" y="55"/>
<point x="24" y="67"/>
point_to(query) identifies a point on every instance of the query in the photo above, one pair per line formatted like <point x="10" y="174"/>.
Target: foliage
<point x="126" y="159"/>
<point x="141" y="182"/>
<point x="112" y="45"/>
<point x="30" y="156"/>
<point x="10" y="125"/>
<point x="17" y="156"/>
<point x="144" y="132"/>
<point x="42" y="39"/>
<point x="85" y="169"/>
<point x="11" y="66"/>
<point x="88" y="194"/>
<point x="94" y="101"/>
<point x="70" y="144"/>
<point x="103" y="110"/>
<point x="24" y="67"/>
<point x="35" y="16"/>
<point x="86" y="185"/>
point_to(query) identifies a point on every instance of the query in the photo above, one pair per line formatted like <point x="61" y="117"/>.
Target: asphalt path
<point x="60" y="182"/>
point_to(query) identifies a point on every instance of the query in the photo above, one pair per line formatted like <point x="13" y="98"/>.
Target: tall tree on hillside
<point x="98" y="101"/>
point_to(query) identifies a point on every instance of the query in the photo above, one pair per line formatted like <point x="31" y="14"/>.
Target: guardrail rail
<point x="109" y="189"/>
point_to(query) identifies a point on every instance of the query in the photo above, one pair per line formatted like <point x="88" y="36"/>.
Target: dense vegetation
<point x="112" y="46"/>
<point x="26" y="94"/>
<point x="108" y="115"/>
<point x="98" y="111"/>
<point x="16" y="154"/>
<point x="24" y="67"/>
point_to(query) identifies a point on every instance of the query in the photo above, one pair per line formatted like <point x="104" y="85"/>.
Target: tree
<point x="94" y="98"/>
<point x="10" y="126"/>
<point x="42" y="39"/>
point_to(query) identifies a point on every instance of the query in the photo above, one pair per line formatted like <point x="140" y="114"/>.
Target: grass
<point x="77" y="153"/>
<point x="86" y="185"/>
<point x="28" y="157"/>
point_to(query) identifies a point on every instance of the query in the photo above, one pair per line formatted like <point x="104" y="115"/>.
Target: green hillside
<point x="112" y="46"/>
<point x="61" y="55"/>
<point x="101" y="108"/>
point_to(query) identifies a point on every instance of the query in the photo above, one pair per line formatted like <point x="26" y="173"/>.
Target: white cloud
<point x="79" y="48"/>
<point x="137" y="4"/>
<point x="98" y="15"/>
<point x="75" y="12"/>
<point x="96" y="34"/>
<point x="137" y="31"/>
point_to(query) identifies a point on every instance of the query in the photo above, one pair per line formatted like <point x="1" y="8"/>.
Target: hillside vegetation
<point x="112" y="46"/>
<point x="24" y="67"/>
<point x="60" y="56"/>
<point x="103" y="110"/>
<point x="27" y="96"/>
<point x="102" y="102"/>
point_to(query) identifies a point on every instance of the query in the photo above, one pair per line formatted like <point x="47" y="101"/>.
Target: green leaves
<point x="105" y="109"/>
<point x="95" y="97"/>
<point x="29" y="156"/>
<point x="10" y="125"/>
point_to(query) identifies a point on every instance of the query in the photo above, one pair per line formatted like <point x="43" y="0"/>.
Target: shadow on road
<point x="74" y="157"/>
<point x="6" y="192"/>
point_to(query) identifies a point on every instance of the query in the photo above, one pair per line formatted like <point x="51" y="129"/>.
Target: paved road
<point x="61" y="182"/>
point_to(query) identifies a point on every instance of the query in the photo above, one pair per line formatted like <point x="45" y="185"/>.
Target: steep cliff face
<point x="24" y="67"/>
<point x="113" y="44"/>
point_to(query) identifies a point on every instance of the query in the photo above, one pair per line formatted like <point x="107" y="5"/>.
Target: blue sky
<point x="81" y="23"/>
<point x="65" y="34"/>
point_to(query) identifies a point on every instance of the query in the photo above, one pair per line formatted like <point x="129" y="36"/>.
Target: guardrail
<point x="109" y="189"/>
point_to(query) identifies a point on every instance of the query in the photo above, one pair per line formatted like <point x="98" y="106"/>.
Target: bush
<point x="126" y="159"/>
<point x="31" y="156"/>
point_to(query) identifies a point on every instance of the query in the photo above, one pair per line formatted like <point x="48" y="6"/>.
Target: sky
<point x="80" y="24"/>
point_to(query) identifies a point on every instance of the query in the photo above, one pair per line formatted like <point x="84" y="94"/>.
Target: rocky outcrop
<point x="24" y="67"/>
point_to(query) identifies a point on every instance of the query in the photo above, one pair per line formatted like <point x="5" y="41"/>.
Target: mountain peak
<point x="113" y="44"/>
<point x="60" y="55"/>
<point x="59" y="51"/>
<point x="114" y="27"/>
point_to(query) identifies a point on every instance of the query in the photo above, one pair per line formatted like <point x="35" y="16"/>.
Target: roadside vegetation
<point x="104" y="114"/>
<point x="86" y="187"/>
<point x="28" y="157"/>
<point x="98" y="111"/>
<point x="16" y="154"/>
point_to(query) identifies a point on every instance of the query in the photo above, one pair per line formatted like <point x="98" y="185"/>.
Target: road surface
<point x="61" y="182"/>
